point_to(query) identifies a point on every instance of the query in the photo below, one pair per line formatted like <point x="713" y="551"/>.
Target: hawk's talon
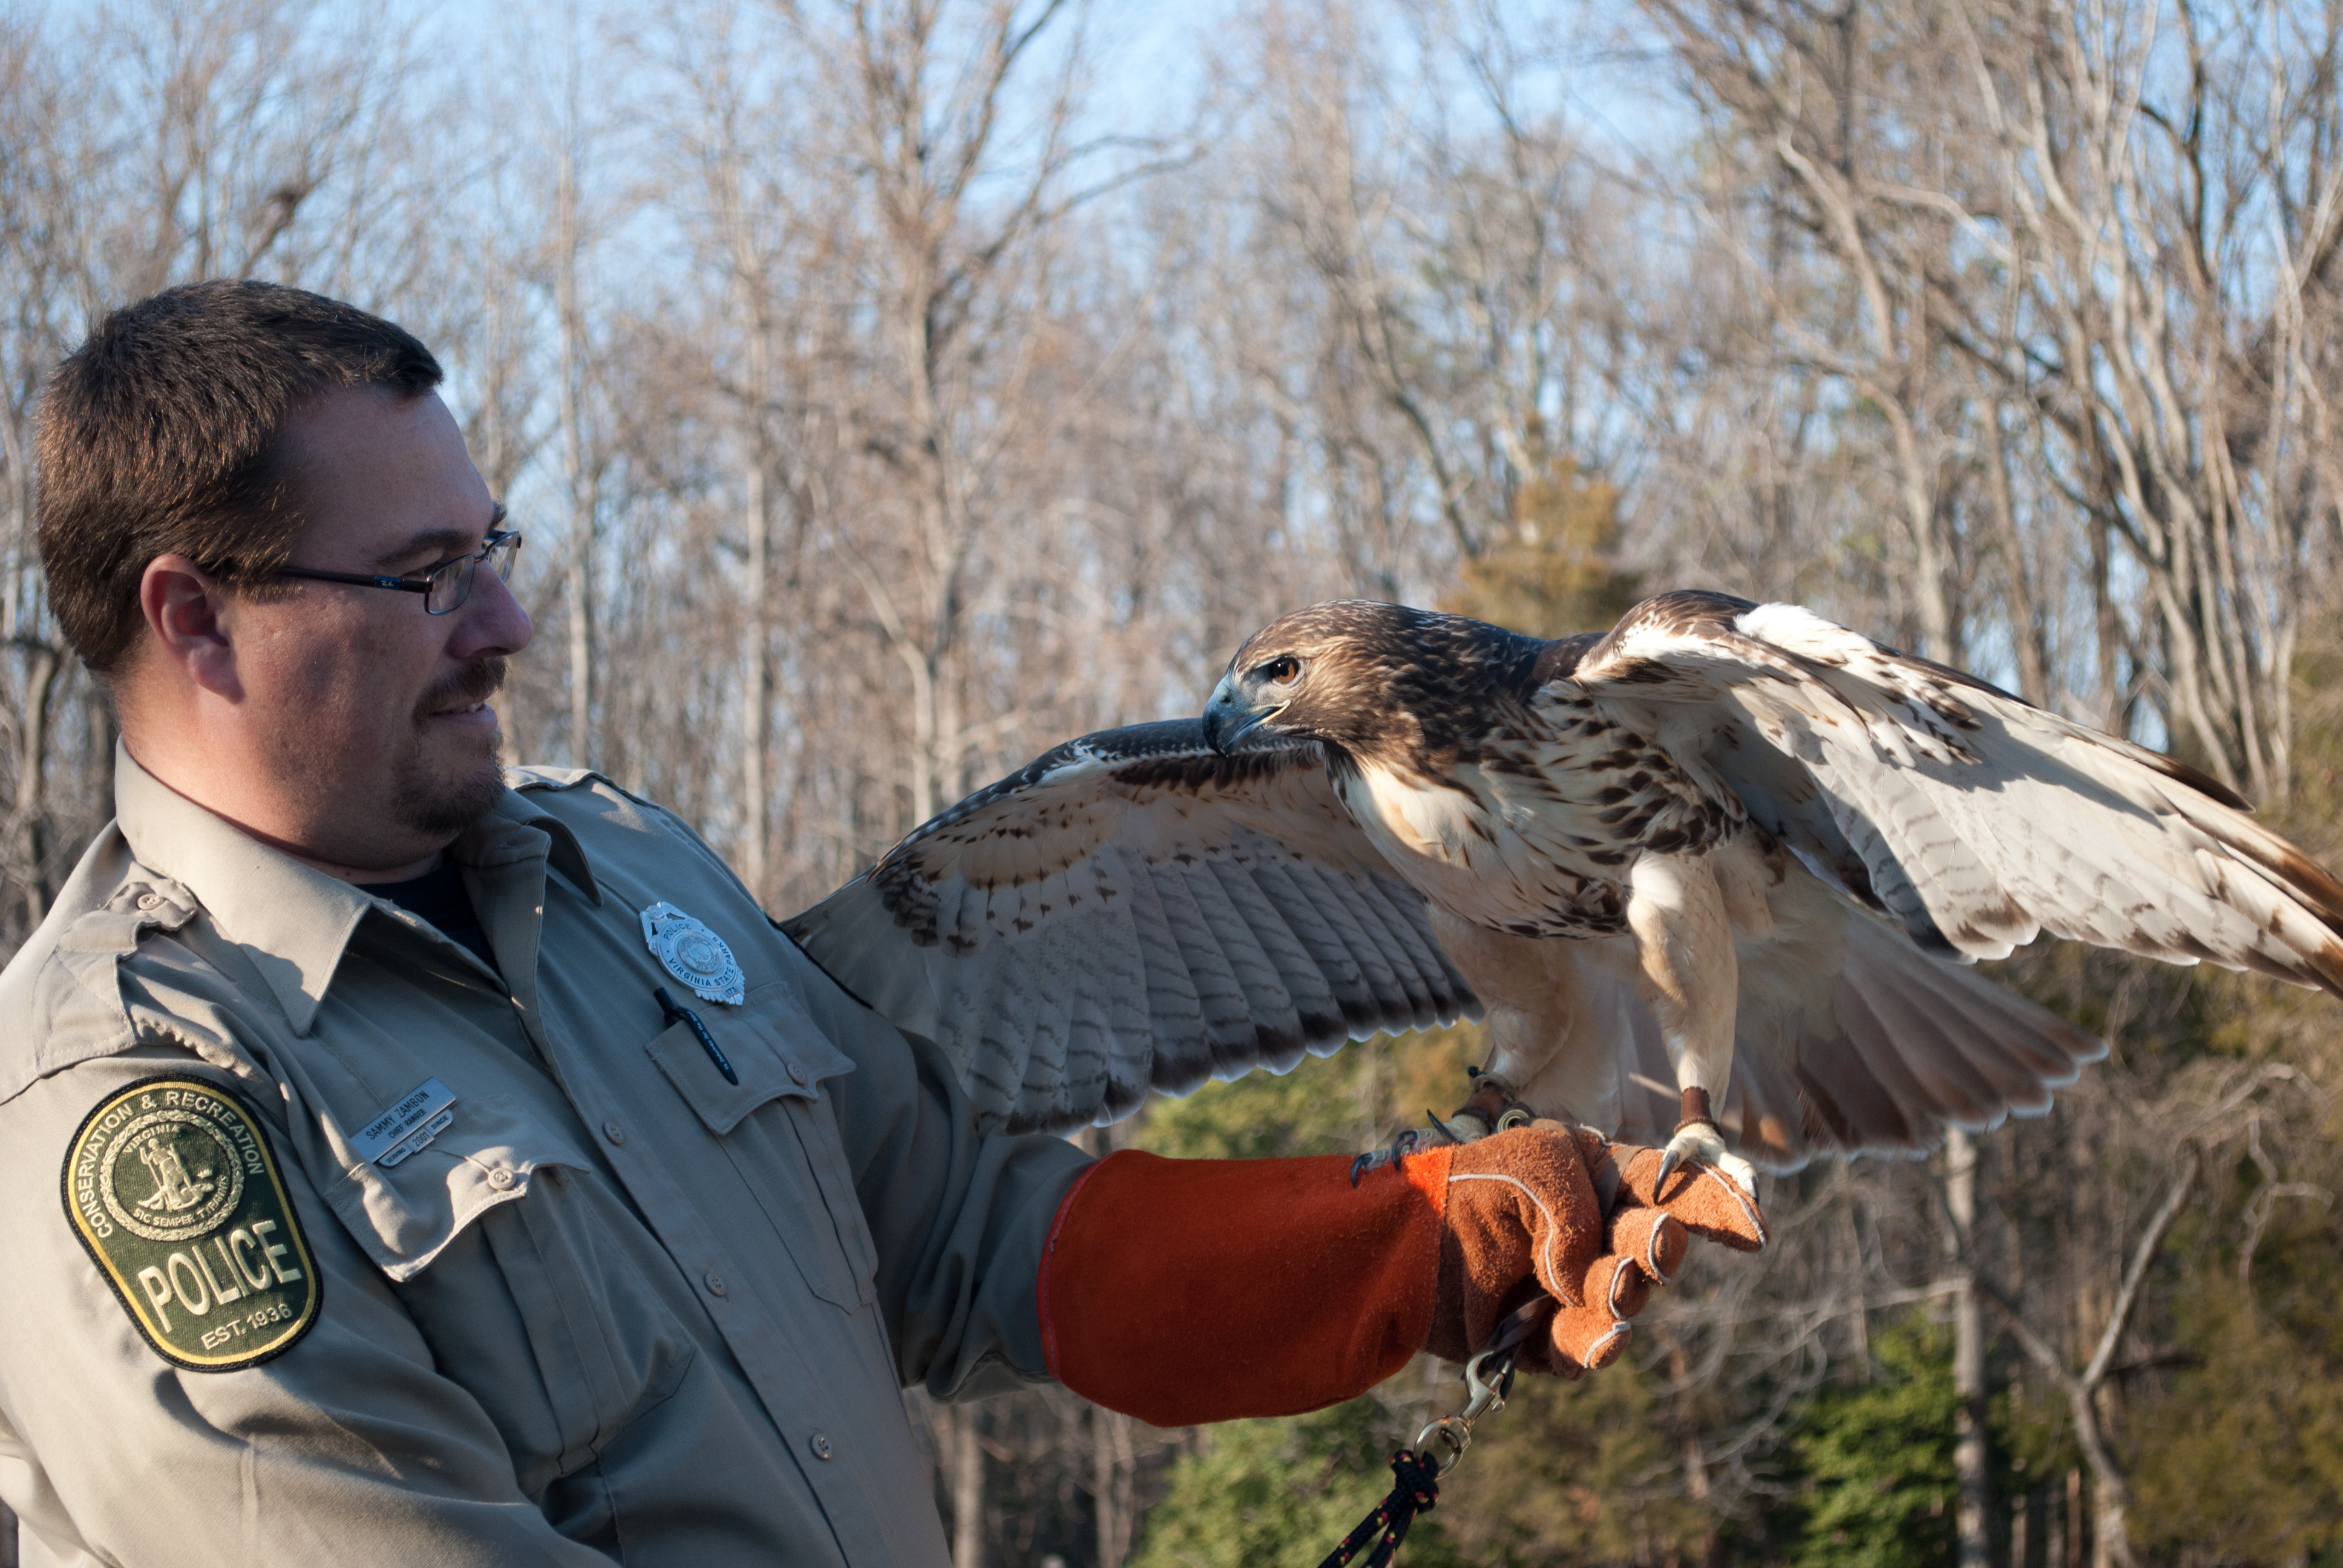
<point x="1698" y="1144"/>
<point x="1402" y="1146"/>
<point x="1490" y="1110"/>
<point x="1465" y="1127"/>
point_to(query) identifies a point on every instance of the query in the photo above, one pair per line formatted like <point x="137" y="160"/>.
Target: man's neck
<point x="340" y="872"/>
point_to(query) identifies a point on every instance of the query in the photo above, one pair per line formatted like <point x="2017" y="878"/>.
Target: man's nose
<point x="491" y="622"/>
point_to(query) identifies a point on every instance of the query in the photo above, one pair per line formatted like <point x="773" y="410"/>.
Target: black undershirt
<point x="438" y="896"/>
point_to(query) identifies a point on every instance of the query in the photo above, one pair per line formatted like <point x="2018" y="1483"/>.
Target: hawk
<point x="1710" y="877"/>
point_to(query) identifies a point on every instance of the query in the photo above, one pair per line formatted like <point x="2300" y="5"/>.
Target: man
<point x="411" y="1161"/>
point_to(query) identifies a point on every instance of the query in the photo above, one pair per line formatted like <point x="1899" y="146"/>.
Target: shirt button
<point x="797" y="1073"/>
<point x="715" y="1284"/>
<point x="614" y="1132"/>
<point x="150" y="900"/>
<point x="500" y="1180"/>
<point x="820" y="1446"/>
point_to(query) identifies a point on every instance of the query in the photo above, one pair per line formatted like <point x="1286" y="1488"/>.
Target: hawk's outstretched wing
<point x="1133" y="910"/>
<point x="1975" y="821"/>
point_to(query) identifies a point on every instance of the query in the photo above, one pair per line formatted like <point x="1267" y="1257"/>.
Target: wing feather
<point x="1343" y="1001"/>
<point x="1354" y="919"/>
<point x="1262" y="1027"/>
<point x="1292" y="986"/>
<point x="1180" y="1046"/>
<point x="1132" y="910"/>
<point x="1978" y="820"/>
<point x="1909" y="1045"/>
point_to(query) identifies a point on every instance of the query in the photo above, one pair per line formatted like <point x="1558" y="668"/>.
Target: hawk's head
<point x="1376" y="681"/>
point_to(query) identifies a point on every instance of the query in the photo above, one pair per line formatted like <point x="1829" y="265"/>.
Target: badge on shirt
<point x="694" y="955"/>
<point x="174" y="1191"/>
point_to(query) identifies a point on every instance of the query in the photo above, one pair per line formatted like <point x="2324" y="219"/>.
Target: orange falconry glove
<point x="1191" y="1291"/>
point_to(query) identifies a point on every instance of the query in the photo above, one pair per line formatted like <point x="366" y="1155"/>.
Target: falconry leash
<point x="1416" y="1471"/>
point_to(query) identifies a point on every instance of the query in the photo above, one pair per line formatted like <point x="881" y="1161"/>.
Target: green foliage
<point x="1569" y="1476"/>
<point x="1282" y="1492"/>
<point x="1574" y="1474"/>
<point x="1877" y="1460"/>
<point x="2237" y="1455"/>
<point x="2241" y="1457"/>
<point x="1337" y="1104"/>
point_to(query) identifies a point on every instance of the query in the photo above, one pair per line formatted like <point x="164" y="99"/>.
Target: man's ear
<point x="185" y="609"/>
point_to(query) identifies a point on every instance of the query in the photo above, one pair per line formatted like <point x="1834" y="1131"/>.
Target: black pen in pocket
<point x="684" y="1015"/>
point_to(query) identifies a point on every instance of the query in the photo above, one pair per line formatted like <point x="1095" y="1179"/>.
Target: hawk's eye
<point x="1279" y="670"/>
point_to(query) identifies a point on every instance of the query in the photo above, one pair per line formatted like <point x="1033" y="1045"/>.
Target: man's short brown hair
<point x="162" y="434"/>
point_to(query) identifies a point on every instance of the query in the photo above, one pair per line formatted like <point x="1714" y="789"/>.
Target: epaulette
<point x="70" y="1008"/>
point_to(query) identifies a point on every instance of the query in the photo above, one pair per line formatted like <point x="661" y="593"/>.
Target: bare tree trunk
<point x="31" y="807"/>
<point x="581" y="584"/>
<point x="583" y="502"/>
<point x="2028" y="617"/>
<point x="968" y="1487"/>
<point x="1974" y="1511"/>
<point x="2111" y="1540"/>
<point x="757" y="687"/>
<point x="1112" y="1477"/>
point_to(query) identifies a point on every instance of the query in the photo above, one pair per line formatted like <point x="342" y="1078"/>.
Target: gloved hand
<point x="1188" y="1291"/>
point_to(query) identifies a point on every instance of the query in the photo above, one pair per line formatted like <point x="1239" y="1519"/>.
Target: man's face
<point x="372" y="712"/>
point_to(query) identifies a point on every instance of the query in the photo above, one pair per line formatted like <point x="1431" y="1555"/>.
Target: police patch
<point x="173" y="1190"/>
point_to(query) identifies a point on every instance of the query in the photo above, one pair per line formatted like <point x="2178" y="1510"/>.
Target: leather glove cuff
<point x="1189" y="1291"/>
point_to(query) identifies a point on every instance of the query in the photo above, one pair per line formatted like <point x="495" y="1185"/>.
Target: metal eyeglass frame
<point x="449" y="580"/>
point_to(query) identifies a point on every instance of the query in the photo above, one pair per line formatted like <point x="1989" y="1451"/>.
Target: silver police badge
<point x="694" y="955"/>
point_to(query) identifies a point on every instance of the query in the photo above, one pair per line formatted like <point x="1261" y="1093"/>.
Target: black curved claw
<point x="1402" y="1146"/>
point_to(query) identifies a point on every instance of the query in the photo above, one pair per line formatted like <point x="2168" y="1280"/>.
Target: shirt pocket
<point x="604" y="1346"/>
<point x="780" y="1138"/>
<point x="527" y="1277"/>
<point x="405" y="1215"/>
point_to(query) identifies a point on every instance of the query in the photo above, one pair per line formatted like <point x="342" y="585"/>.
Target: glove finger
<point x="1588" y="1337"/>
<point x="1615" y="1286"/>
<point x="1711" y="1205"/>
<point x="1653" y="1239"/>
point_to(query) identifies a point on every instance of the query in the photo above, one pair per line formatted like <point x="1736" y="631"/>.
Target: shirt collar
<point x="292" y="921"/>
<point x="565" y="854"/>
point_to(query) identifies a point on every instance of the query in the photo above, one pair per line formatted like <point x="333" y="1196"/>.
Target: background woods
<point x="891" y="390"/>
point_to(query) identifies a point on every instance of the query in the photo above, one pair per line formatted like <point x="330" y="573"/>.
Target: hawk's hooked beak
<point x="1229" y="719"/>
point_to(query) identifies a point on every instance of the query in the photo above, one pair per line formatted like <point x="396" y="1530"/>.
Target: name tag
<point x="421" y="1114"/>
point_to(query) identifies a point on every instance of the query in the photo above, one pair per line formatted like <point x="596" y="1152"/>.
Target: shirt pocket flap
<point x="406" y="1214"/>
<point x="771" y="1044"/>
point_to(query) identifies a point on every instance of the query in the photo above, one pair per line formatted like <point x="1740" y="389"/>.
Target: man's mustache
<point x="475" y="682"/>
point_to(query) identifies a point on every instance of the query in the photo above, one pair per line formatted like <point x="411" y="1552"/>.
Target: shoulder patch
<point x="174" y="1191"/>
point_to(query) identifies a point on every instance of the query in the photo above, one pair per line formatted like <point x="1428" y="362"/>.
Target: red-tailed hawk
<point x="1720" y="867"/>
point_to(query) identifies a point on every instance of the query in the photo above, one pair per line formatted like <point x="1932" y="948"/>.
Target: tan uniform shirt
<point x="618" y="1308"/>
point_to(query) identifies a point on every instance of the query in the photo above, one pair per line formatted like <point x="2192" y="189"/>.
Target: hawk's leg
<point x="1690" y="979"/>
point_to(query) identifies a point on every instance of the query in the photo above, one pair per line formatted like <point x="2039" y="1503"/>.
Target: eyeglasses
<point x="445" y="586"/>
